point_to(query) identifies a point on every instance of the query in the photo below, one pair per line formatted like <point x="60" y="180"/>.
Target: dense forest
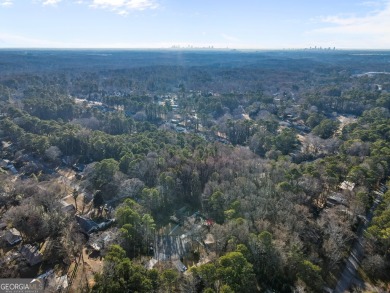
<point x="196" y="171"/>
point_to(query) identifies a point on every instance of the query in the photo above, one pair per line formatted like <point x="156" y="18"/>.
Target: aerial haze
<point x="211" y="24"/>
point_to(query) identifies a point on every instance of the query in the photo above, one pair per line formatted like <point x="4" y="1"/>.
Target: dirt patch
<point x="85" y="268"/>
<point x="67" y="173"/>
<point x="82" y="207"/>
<point x="345" y="120"/>
<point x="95" y="263"/>
<point x="246" y="117"/>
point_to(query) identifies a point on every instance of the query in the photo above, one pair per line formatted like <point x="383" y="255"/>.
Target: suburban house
<point x="31" y="254"/>
<point x="89" y="226"/>
<point x="12" y="236"/>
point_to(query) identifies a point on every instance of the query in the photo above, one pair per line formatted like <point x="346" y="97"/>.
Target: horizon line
<point x="197" y="48"/>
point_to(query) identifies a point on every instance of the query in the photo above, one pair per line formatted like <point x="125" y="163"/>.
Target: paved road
<point x="349" y="277"/>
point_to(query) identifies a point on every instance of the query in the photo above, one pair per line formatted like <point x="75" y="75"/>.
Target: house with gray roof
<point x="12" y="236"/>
<point x="31" y="254"/>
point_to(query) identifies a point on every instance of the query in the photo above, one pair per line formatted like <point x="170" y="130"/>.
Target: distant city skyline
<point x="245" y="24"/>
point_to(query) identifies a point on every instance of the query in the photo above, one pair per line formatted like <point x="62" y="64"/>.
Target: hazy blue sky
<point x="219" y="23"/>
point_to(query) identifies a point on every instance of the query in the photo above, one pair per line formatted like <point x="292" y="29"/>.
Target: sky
<point x="241" y="24"/>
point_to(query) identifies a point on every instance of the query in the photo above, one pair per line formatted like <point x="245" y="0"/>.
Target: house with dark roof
<point x="337" y="199"/>
<point x="3" y="225"/>
<point x="104" y="225"/>
<point x="12" y="236"/>
<point x="31" y="254"/>
<point x="4" y="163"/>
<point x="12" y="168"/>
<point x="67" y="207"/>
<point x="87" y="225"/>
